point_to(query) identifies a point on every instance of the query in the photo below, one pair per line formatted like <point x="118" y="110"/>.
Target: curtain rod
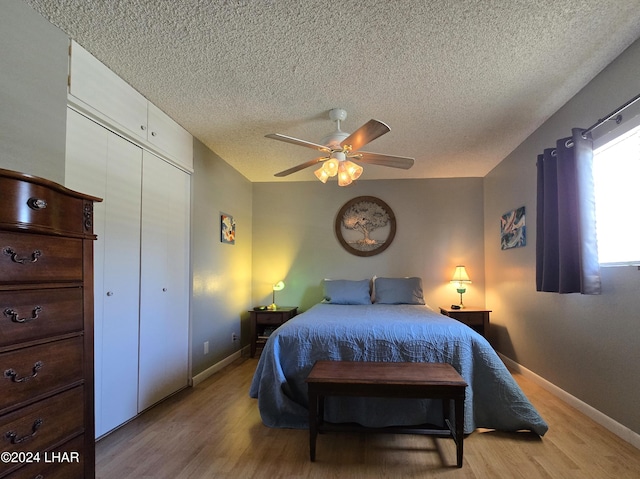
<point x="613" y="115"/>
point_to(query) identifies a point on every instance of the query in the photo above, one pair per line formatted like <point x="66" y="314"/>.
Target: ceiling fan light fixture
<point x="339" y="146"/>
<point x="321" y="174"/>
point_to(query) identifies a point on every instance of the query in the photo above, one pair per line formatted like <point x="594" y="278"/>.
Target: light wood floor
<point x="214" y="431"/>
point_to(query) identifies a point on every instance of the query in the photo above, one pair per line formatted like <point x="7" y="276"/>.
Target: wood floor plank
<point x="214" y="431"/>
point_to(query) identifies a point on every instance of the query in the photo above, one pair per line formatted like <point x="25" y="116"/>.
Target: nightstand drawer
<point x="469" y="319"/>
<point x="271" y="318"/>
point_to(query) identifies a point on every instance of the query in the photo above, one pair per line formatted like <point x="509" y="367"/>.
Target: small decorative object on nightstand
<point x="265" y="321"/>
<point x="475" y="318"/>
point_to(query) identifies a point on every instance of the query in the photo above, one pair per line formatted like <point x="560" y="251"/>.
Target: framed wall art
<point x="365" y="226"/>
<point x="227" y="229"/>
<point x="513" y="231"/>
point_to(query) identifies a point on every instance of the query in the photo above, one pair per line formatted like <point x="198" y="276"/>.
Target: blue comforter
<point x="395" y="333"/>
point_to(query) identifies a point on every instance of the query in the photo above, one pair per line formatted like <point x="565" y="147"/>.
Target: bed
<point x="390" y="324"/>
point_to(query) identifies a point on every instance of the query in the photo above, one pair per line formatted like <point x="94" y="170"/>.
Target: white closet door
<point x="102" y="164"/>
<point x="164" y="291"/>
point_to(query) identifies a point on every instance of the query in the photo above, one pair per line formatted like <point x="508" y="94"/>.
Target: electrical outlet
<point x="206" y="347"/>
<point x="234" y="337"/>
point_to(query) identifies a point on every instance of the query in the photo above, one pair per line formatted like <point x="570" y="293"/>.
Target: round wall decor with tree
<point x="365" y="226"/>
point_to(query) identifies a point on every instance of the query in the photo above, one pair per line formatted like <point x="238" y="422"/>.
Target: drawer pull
<point x="13" y="436"/>
<point x="11" y="373"/>
<point x="36" y="203"/>
<point x="8" y="250"/>
<point x="13" y="314"/>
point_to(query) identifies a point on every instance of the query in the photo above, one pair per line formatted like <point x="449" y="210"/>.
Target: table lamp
<point x="279" y="286"/>
<point x="460" y="279"/>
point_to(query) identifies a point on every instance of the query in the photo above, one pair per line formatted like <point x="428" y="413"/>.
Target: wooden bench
<point x="378" y="379"/>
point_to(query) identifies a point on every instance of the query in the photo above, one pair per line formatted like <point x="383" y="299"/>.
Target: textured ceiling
<point x="461" y="83"/>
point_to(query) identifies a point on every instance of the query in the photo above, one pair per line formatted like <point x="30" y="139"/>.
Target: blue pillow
<point x="398" y="291"/>
<point x="343" y="291"/>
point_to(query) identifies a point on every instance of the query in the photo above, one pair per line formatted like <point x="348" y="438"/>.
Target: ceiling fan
<point x="339" y="148"/>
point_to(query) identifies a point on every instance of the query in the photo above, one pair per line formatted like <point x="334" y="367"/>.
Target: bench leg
<point x="313" y="423"/>
<point x="459" y="412"/>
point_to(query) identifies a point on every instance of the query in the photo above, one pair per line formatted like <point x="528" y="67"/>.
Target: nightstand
<point x="475" y="318"/>
<point x="263" y="322"/>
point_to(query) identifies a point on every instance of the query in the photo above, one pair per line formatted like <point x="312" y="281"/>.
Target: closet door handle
<point x="11" y="373"/>
<point x="8" y="250"/>
<point x="13" y="436"/>
<point x="13" y="314"/>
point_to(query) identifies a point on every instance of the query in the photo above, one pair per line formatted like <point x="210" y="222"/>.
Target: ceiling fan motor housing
<point x="334" y="139"/>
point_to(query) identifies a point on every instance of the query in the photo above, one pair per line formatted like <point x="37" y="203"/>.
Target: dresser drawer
<point x="34" y="371"/>
<point x="33" y="258"/>
<point x="42" y="425"/>
<point x="64" y="462"/>
<point x="41" y="207"/>
<point x="35" y="314"/>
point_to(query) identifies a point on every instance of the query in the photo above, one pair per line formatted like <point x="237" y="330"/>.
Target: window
<point x="616" y="171"/>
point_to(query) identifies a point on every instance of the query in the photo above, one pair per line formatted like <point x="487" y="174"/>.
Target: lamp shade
<point x="460" y="275"/>
<point x="344" y="179"/>
<point x="331" y="167"/>
<point x="322" y="174"/>
<point x="279" y="286"/>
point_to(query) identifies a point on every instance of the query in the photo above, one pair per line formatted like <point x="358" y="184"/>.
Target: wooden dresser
<point x="46" y="330"/>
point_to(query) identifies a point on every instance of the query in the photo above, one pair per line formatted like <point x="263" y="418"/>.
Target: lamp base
<point x="461" y="290"/>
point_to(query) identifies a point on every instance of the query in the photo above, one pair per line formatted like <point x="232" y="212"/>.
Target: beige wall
<point x="33" y="92"/>
<point x="588" y="346"/>
<point x="439" y="225"/>
<point x="221" y="272"/>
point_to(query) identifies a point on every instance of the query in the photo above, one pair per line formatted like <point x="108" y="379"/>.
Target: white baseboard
<point x="615" y="427"/>
<point x="210" y="371"/>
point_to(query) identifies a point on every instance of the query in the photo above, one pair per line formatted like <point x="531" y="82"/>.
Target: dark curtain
<point x="566" y="246"/>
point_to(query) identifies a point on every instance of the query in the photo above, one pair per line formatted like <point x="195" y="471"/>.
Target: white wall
<point x="586" y="345"/>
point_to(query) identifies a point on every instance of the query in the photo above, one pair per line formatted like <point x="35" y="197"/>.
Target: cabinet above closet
<point x="96" y="90"/>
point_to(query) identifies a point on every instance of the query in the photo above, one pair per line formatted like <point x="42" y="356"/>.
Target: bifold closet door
<point x="164" y="287"/>
<point x="103" y="164"/>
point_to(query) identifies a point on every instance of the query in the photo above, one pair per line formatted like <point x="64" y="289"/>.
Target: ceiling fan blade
<point x="296" y="141"/>
<point x="301" y="166"/>
<point x="366" y="133"/>
<point x="383" y="160"/>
